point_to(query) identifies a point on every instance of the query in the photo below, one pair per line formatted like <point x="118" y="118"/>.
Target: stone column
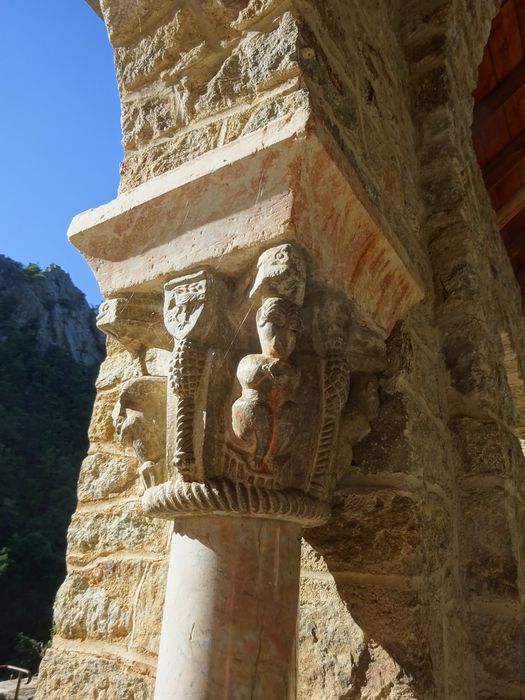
<point x="230" y="612"/>
<point x="267" y="308"/>
<point x="234" y="487"/>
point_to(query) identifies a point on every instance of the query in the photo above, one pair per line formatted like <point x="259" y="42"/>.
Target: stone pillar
<point x="264" y="278"/>
<point x="234" y="486"/>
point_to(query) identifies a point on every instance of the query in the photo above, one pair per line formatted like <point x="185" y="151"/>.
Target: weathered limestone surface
<point x="414" y="588"/>
<point x="233" y="637"/>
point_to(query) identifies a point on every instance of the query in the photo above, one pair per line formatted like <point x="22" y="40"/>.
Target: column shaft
<point x="230" y="613"/>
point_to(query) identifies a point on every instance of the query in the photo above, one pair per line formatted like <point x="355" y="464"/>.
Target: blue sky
<point x="59" y="120"/>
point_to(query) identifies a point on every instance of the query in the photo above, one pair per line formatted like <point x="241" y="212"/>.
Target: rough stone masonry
<point x="342" y="126"/>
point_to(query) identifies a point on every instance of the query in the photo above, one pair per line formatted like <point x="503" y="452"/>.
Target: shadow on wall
<point x="368" y="628"/>
<point x="361" y="635"/>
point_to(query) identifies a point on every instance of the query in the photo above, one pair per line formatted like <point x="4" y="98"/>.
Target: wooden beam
<point x="508" y="86"/>
<point x="505" y="161"/>
<point x="511" y="208"/>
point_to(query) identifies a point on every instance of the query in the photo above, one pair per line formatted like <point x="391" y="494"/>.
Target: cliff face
<point x="48" y="303"/>
<point x="50" y="351"/>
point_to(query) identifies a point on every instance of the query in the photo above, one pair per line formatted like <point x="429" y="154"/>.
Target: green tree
<point x="45" y="404"/>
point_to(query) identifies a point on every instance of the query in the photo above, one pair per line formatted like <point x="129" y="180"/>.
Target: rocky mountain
<point x="50" y="351"/>
<point x="47" y="302"/>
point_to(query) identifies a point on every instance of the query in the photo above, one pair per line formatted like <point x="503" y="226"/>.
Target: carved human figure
<point x="264" y="417"/>
<point x="139" y="417"/>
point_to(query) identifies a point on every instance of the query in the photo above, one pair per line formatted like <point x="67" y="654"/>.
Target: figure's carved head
<point x="281" y="271"/>
<point x="135" y="321"/>
<point x="139" y="417"/>
<point x="278" y="324"/>
<point x="184" y="301"/>
<point x="108" y="317"/>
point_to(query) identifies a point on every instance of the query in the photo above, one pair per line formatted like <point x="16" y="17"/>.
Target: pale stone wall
<point x="477" y="302"/>
<point x="413" y="589"/>
<point x="108" y="610"/>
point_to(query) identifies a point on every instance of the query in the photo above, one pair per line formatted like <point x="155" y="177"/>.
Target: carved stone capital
<point x="257" y="383"/>
<point x="247" y="422"/>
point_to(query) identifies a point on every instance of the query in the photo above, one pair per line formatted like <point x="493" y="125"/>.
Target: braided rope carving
<point x="175" y="499"/>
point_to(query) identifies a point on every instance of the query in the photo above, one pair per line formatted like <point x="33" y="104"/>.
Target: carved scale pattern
<point x="185" y="374"/>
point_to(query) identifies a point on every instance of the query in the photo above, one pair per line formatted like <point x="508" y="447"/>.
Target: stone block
<point x="484" y="446"/>
<point x="85" y="611"/>
<point x="224" y="16"/>
<point x="147" y="120"/>
<point x="488" y="558"/>
<point x="116" y="368"/>
<point x="408" y="364"/>
<point x="405" y="439"/>
<point x="148" y="607"/>
<point x="311" y="560"/>
<point x="262" y="113"/>
<point x="157" y="159"/>
<point x="432" y="89"/>
<point x="101" y="428"/>
<point x="330" y="643"/>
<point x="438" y="539"/>
<point x="395" y="620"/>
<point x="114" y="599"/>
<point x="157" y="362"/>
<point x="256" y="10"/>
<point x="101" y="533"/>
<point x="174" y="43"/>
<point x="375" y="531"/>
<point x="387" y="447"/>
<point x="260" y="61"/>
<point x="498" y="641"/>
<point x="468" y="354"/>
<point x="336" y="658"/>
<point x="65" y="674"/>
<point x="104" y="476"/>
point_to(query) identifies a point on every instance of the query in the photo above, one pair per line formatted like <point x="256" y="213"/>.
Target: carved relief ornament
<point x="257" y="384"/>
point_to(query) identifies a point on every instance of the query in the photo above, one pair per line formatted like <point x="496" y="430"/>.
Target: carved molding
<point x="228" y="498"/>
<point x="211" y="211"/>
